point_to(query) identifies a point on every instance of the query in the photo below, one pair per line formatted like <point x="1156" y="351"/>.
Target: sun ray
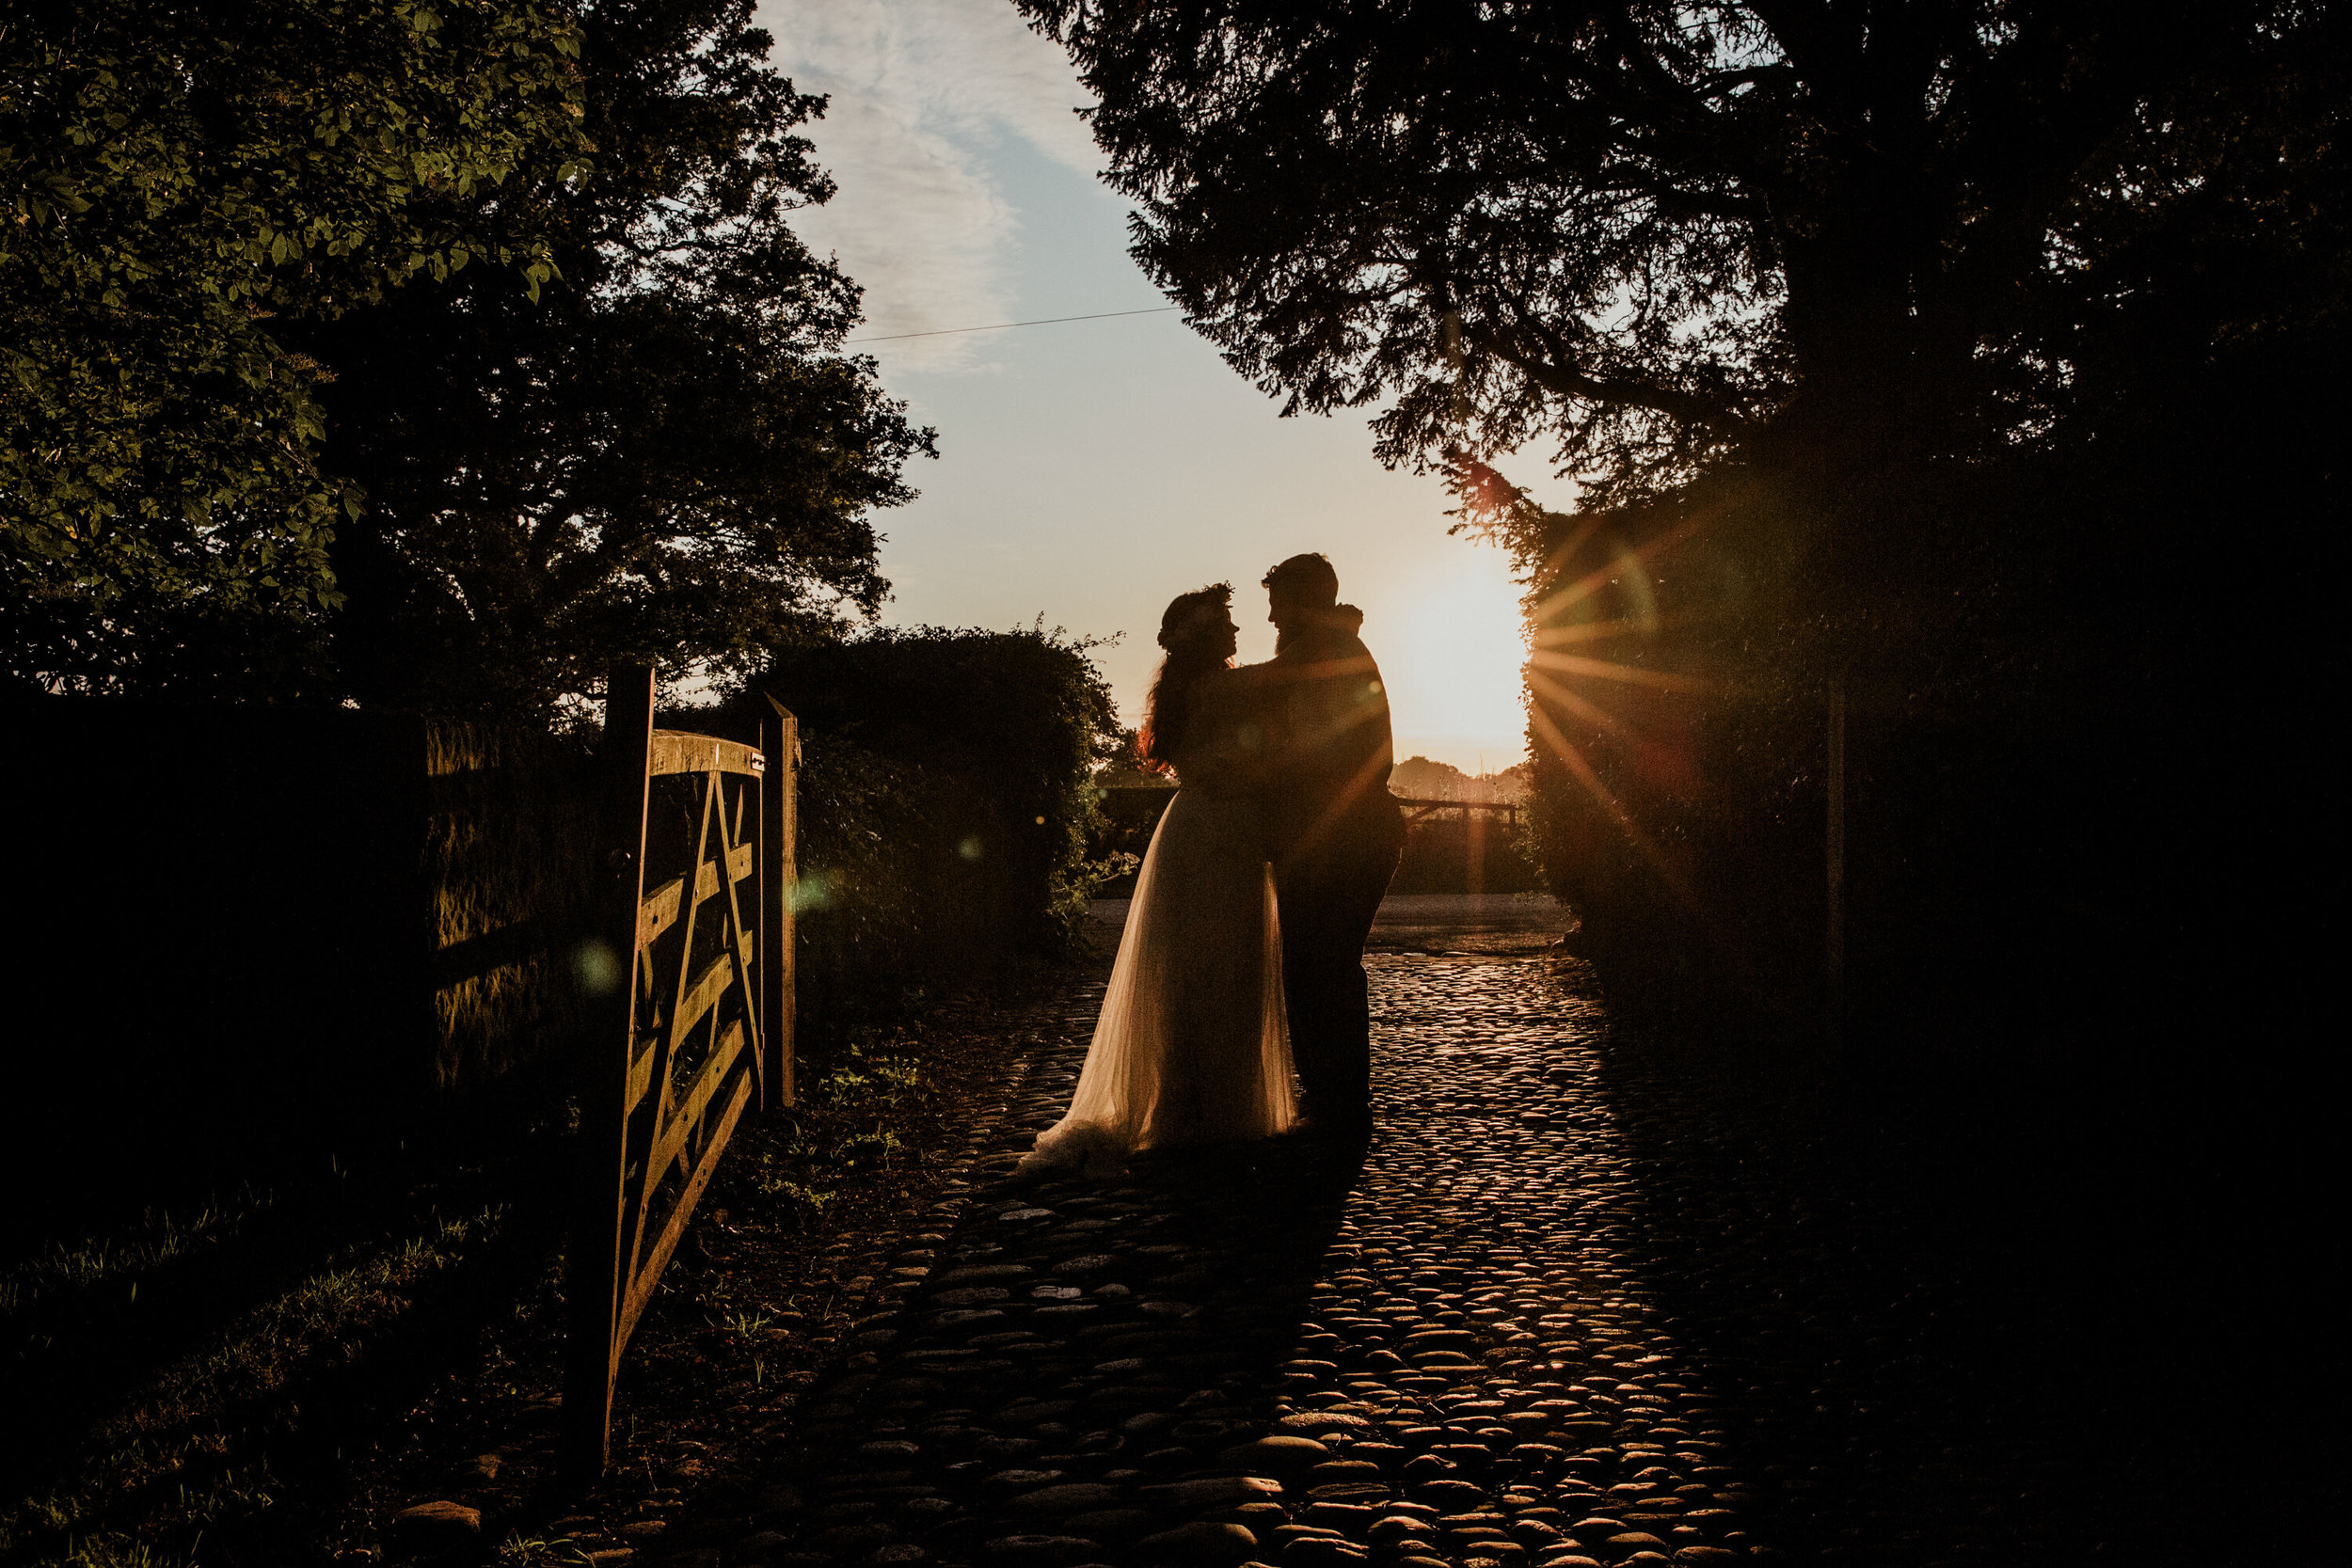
<point x="1592" y="713"/>
<point x="1594" y="631"/>
<point x="1590" y="582"/>
<point x="1357" y="788"/>
<point x="1565" y="599"/>
<point x="1575" y="541"/>
<point x="1574" y="761"/>
<point x="1577" y="664"/>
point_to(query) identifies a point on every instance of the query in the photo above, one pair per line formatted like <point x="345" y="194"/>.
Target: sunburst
<point x="1585" y="774"/>
<point x="1566" y="677"/>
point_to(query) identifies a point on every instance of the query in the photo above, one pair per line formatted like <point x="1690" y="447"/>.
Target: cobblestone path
<point x="1495" y="1341"/>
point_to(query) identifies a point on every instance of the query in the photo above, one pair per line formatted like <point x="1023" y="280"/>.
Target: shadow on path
<point x="1945" y="1363"/>
<point x="1582" y="1305"/>
<point x="1078" y="1371"/>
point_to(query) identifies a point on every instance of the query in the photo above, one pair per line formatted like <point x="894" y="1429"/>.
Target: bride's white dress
<point x="1191" y="1045"/>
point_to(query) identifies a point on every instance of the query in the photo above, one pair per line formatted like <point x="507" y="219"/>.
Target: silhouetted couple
<point x="1243" y="955"/>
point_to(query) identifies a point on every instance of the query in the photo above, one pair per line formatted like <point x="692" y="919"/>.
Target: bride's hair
<point x="1190" y="631"/>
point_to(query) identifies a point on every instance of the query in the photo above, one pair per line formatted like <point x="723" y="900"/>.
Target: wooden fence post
<point x="593" y="1279"/>
<point x="780" y="801"/>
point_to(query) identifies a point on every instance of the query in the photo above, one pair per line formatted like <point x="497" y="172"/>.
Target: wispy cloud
<point x="921" y="91"/>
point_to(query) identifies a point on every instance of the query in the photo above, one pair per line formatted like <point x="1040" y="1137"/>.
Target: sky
<point x="1091" y="470"/>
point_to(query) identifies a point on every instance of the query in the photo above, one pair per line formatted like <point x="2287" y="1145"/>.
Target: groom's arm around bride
<point x="1334" y="832"/>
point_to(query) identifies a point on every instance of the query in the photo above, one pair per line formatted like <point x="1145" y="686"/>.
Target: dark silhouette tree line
<point x="425" y="355"/>
<point x="1812" y="236"/>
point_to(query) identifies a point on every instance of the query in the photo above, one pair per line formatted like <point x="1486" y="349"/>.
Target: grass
<point x="520" y="1551"/>
<point x="267" y="1378"/>
<point x="159" y="1238"/>
<point x="845" y="1124"/>
<point x="171" y="1361"/>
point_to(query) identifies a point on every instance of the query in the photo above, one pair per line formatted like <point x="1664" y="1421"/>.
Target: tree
<point x="184" y="181"/>
<point x="1922" y="364"/>
<point x="1817" y="235"/>
<point x="665" y="456"/>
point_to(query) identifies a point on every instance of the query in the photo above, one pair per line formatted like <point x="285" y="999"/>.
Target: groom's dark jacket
<point x="1328" y="725"/>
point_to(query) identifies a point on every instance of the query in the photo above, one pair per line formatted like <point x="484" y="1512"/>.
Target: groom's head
<point x="1301" y="591"/>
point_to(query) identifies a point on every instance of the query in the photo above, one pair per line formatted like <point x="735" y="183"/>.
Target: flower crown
<point x="1204" y="615"/>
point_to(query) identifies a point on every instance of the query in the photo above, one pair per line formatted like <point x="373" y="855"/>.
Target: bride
<point x="1191" y="1046"/>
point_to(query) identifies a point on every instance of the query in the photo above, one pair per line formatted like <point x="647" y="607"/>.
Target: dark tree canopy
<point x="633" y="434"/>
<point x="1652" y="235"/>
<point x="181" y="181"/>
<point x="665" y="456"/>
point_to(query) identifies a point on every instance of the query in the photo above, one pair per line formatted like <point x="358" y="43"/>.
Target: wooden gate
<point x="696" y="1025"/>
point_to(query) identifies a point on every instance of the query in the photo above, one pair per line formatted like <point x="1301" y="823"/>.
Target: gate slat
<point x="681" y="1125"/>
<point x="676" y="751"/>
<point x="650" y="1273"/>
<point x="741" y="948"/>
<point x="641" y="1076"/>
<point x="659" y="911"/>
<point x="710" y="985"/>
<point x="662" y="904"/>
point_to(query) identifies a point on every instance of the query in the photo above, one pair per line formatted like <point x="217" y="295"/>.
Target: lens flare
<point x="1613" y="596"/>
<point x="1583" y="772"/>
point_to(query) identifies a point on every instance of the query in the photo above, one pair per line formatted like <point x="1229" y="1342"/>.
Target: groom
<point x="1334" y="832"/>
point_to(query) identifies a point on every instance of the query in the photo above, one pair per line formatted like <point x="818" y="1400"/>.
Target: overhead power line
<point x="999" y="326"/>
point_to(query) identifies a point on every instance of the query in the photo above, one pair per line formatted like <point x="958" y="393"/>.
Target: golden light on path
<point x="1451" y="645"/>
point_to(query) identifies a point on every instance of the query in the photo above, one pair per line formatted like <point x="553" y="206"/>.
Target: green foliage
<point x="180" y="182"/>
<point x="947" y="800"/>
<point x="1449" y="855"/>
<point x="246" y="465"/>
<point x="869" y="830"/>
<point x="864" y="1085"/>
<point x="1936" y="356"/>
<point x="666" y="457"/>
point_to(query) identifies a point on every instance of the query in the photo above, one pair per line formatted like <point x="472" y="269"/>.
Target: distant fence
<point x="1423" y="810"/>
<point x="696" y="1023"/>
<point x="1451" y="846"/>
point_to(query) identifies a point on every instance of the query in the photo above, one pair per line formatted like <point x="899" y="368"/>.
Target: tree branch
<point x="1807" y="31"/>
<point x="1549" y="371"/>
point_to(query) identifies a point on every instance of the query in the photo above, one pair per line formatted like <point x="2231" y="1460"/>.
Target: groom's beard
<point x="1297" y="634"/>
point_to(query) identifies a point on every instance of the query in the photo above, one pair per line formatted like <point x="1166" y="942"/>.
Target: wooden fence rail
<point x="697" y="1026"/>
<point x="1422" y="811"/>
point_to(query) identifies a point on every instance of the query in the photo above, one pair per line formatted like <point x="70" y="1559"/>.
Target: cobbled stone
<point x="1076" y="1498"/>
<point x="1209" y="1543"/>
<point x="1110" y="1524"/>
<point x="1057" y="1550"/>
<point x="1283" y="1453"/>
<point x="438" y="1521"/>
<point x="1212" y="1491"/>
<point x="1488" y="1341"/>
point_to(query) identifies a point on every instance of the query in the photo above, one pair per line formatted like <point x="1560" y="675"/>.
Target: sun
<point x="1452" y="650"/>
